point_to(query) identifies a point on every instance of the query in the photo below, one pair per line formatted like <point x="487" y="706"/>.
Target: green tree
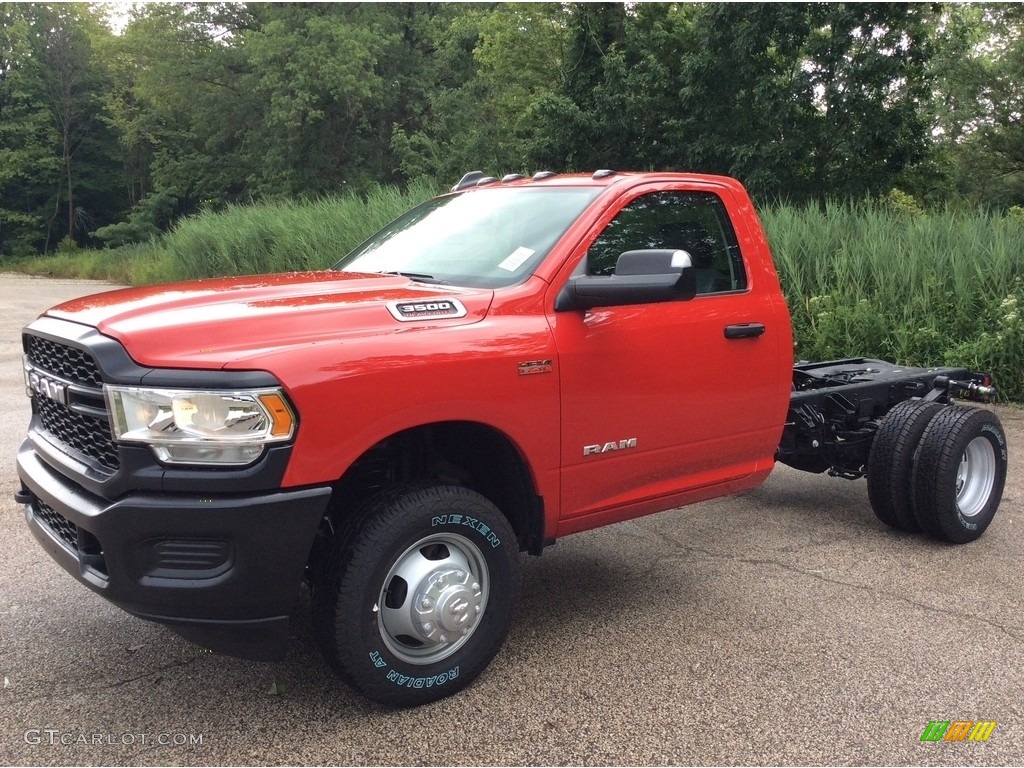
<point x="992" y="147"/>
<point x="870" y="67"/>
<point x="71" y="81"/>
<point x="798" y="100"/>
<point x="57" y="151"/>
<point x="200" y="104"/>
<point x="190" y="107"/>
<point x="26" y="136"/>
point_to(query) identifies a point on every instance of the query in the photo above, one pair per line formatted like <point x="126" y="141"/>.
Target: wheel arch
<point x="465" y="453"/>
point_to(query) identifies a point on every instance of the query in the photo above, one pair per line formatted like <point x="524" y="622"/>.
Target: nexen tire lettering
<point x="482" y="528"/>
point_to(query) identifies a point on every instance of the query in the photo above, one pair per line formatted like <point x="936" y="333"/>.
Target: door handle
<point x="744" y="331"/>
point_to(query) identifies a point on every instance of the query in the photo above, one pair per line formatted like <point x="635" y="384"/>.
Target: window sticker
<point x="517" y="258"/>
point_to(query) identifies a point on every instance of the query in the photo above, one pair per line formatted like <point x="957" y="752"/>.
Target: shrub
<point x="861" y="280"/>
<point x="865" y="280"/>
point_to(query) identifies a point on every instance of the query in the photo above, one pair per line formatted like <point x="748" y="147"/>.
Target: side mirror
<point x="641" y="277"/>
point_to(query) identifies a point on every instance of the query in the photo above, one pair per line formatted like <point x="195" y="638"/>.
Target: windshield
<point x="488" y="239"/>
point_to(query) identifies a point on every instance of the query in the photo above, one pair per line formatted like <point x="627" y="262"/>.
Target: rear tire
<point x="417" y="594"/>
<point x="891" y="462"/>
<point x="959" y="473"/>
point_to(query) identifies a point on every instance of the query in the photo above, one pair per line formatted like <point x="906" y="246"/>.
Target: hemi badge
<point x="534" y="366"/>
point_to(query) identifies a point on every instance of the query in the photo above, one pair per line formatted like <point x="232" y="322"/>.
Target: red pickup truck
<point x="504" y="365"/>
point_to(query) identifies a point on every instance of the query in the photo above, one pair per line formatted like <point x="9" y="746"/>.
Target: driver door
<point x="662" y="399"/>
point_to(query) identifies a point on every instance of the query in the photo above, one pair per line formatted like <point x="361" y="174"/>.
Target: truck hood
<point x="211" y="323"/>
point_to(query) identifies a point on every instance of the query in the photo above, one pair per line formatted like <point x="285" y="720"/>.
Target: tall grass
<point x="920" y="289"/>
<point x="860" y="280"/>
<point x="278" y="236"/>
<point x="283" y="236"/>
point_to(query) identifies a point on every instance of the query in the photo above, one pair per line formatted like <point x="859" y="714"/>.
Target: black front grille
<point x="57" y="523"/>
<point x="77" y="423"/>
<point x="67" y="362"/>
<point x="80" y="541"/>
<point x="86" y="435"/>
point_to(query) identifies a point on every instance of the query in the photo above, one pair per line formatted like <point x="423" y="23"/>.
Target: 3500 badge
<point x="404" y="311"/>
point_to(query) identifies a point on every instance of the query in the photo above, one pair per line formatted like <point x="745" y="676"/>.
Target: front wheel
<point x="959" y="472"/>
<point x="418" y="593"/>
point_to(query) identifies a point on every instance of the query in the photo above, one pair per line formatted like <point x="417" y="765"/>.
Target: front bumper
<point x="223" y="571"/>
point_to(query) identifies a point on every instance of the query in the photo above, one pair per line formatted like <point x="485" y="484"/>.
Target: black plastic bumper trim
<point x="256" y="640"/>
<point x="238" y="609"/>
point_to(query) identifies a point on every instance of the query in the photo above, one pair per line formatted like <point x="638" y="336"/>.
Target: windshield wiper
<point x="419" y="278"/>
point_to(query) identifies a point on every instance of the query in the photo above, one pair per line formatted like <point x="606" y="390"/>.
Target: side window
<point x="695" y="222"/>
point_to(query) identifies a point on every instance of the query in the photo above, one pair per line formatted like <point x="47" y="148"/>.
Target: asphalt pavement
<point x="782" y="626"/>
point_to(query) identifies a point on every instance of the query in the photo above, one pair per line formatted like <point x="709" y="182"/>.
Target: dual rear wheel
<point x="938" y="469"/>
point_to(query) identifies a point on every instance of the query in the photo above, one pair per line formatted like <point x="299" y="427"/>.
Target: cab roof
<point x="599" y="178"/>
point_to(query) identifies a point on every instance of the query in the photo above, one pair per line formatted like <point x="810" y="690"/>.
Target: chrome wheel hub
<point x="433" y="598"/>
<point x="448" y="605"/>
<point x="975" y="477"/>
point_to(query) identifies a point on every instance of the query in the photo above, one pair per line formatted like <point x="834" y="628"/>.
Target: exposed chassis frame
<point x="836" y="407"/>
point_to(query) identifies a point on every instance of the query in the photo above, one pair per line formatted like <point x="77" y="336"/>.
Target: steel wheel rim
<point x="975" y="477"/>
<point x="433" y="598"/>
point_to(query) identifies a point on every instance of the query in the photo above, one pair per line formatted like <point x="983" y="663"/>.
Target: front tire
<point x="418" y="593"/>
<point x="959" y="473"/>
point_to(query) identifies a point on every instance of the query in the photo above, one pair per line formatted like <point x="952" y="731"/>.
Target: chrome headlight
<point x="200" y="427"/>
